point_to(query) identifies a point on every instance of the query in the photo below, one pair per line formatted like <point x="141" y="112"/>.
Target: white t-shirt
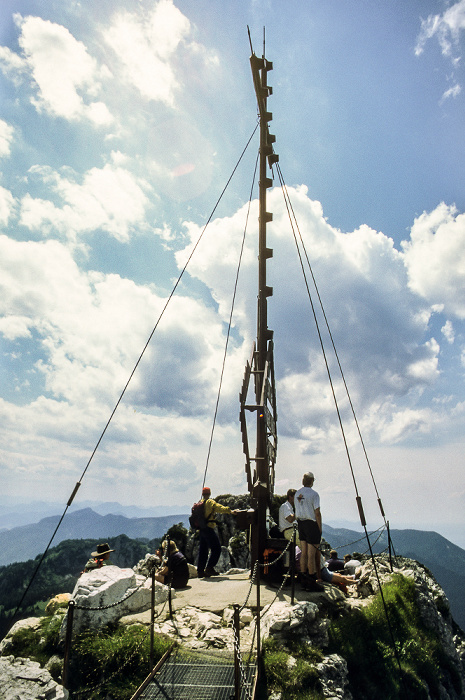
<point x="306" y="502"/>
<point x="352" y="565"/>
<point x="284" y="511"/>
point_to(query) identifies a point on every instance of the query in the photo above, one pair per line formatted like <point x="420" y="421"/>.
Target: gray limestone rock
<point x="31" y="622"/>
<point x="23" y="679"/>
<point x="283" y="619"/>
<point x="333" y="675"/>
<point x="107" y="594"/>
<point x="144" y="566"/>
<point x="306" y="622"/>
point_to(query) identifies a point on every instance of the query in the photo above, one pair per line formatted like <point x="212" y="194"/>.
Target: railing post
<point x="152" y="619"/>
<point x="69" y="633"/>
<point x="257" y="586"/>
<point x="390" y="545"/>
<point x="237" y="651"/>
<point x="292" y="567"/>
<point x="168" y="563"/>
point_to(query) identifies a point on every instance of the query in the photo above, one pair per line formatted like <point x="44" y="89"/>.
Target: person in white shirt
<point x="308" y="514"/>
<point x="351" y="563"/>
<point x="287" y="517"/>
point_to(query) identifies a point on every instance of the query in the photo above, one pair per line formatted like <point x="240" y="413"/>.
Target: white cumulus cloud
<point x="435" y="258"/>
<point x="447" y="28"/>
<point x="108" y="198"/>
<point x="448" y="332"/>
<point x="64" y="74"/>
<point x="7" y="204"/>
<point x="145" y="45"/>
<point x="379" y="325"/>
<point x="6" y="137"/>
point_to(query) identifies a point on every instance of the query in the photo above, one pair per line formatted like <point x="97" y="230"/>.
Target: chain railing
<point x="117" y="602"/>
<point x="239" y="668"/>
<point x="69" y="628"/>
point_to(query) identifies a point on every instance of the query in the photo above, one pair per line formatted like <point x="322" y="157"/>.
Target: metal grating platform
<point x="198" y="677"/>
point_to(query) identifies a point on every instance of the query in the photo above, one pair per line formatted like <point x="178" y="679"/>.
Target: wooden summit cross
<point x="261" y="367"/>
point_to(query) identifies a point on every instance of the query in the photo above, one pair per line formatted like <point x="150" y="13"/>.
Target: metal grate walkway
<point x="198" y="676"/>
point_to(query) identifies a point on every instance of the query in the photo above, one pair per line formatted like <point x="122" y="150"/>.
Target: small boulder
<point x="281" y="619"/>
<point x="144" y="566"/>
<point x="25" y="679"/>
<point x="334" y="677"/>
<point x="59" y="601"/>
<point x="107" y="594"/>
<point x="28" y="622"/>
<point x="193" y="573"/>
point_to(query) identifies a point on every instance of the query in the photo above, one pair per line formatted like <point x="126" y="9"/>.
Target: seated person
<point x="174" y="568"/>
<point x="351" y="563"/>
<point x="98" y="558"/>
<point x="333" y="563"/>
<point x="336" y="579"/>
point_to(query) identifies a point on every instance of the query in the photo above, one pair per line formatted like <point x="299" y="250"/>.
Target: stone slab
<point x="219" y="592"/>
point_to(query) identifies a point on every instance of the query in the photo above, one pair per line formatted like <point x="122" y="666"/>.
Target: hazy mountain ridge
<point x="27" y="541"/>
<point x="430" y="548"/>
<point x="15" y="515"/>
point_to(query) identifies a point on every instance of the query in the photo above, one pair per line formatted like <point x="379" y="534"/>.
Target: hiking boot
<point x="309" y="583"/>
<point x="210" y="571"/>
<point x="314" y="586"/>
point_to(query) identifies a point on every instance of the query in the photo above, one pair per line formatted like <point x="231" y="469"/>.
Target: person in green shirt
<point x="98" y="558"/>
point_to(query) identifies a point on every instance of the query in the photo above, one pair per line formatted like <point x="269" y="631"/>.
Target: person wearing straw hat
<point x="98" y="558"/>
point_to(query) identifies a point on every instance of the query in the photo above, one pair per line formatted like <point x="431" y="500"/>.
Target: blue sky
<point x="120" y="123"/>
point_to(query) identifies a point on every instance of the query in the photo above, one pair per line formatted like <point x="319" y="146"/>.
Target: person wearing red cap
<point x="209" y="541"/>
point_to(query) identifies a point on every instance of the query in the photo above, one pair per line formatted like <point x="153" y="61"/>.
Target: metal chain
<point x="254" y="573"/>
<point x="285" y="577"/>
<point x="245" y="682"/>
<point x="252" y="581"/>
<point x="349" y="544"/>
<point x="371" y="544"/>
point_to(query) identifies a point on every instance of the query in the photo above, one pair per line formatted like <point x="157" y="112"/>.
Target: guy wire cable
<point x="230" y="321"/>
<point x="333" y="345"/>
<point x="358" y="499"/>
<point x="78" y="484"/>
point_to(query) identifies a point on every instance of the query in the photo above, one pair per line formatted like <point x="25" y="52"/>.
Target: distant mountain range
<point x="14" y="515"/>
<point x="443" y="558"/>
<point x="27" y="541"/>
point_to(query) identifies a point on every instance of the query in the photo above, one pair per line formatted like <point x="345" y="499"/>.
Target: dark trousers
<point x="208" y="542"/>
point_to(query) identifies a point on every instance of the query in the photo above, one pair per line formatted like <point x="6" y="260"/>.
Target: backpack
<point x="197" y="519"/>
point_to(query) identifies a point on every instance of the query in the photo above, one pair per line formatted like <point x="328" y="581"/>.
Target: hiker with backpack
<point x="203" y="519"/>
